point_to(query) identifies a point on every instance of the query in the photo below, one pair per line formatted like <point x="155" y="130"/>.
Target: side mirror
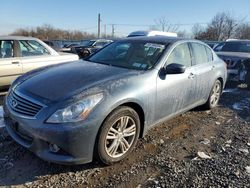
<point x="174" y="68"/>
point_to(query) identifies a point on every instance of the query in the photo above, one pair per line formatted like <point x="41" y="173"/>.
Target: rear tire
<point x="118" y="135"/>
<point x="241" y="73"/>
<point x="214" y="96"/>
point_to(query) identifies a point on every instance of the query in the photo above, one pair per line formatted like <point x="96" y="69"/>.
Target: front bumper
<point x="75" y="140"/>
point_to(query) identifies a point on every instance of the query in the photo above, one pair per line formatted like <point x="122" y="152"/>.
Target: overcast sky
<point x="139" y="14"/>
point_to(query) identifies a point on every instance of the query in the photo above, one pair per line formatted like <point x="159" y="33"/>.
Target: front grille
<point x="23" y="106"/>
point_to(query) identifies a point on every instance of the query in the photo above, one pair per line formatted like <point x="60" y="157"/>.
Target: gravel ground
<point x="196" y="149"/>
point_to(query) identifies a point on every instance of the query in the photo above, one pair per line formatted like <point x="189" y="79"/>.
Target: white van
<point x="152" y="33"/>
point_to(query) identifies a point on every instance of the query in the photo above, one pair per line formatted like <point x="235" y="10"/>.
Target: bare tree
<point x="243" y="31"/>
<point x="163" y="24"/>
<point x="183" y="33"/>
<point x="197" y="31"/>
<point x="223" y="26"/>
<point x="153" y="27"/>
<point x="46" y="32"/>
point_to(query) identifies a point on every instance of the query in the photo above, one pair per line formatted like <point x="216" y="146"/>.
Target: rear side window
<point x="101" y="44"/>
<point x="180" y="55"/>
<point x="32" y="48"/>
<point x="199" y="53"/>
<point x="209" y="54"/>
<point x="6" y="49"/>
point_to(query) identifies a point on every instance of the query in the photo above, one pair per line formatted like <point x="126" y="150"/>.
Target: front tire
<point x="214" y="96"/>
<point x="247" y="79"/>
<point x="118" y="135"/>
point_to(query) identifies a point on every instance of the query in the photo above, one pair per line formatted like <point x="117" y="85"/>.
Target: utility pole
<point x="99" y="25"/>
<point x="113" y="30"/>
<point x="105" y="30"/>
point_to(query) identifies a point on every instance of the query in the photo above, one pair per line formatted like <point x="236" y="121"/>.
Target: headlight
<point x="77" y="111"/>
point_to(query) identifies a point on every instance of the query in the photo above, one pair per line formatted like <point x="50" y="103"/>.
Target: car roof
<point x="157" y="39"/>
<point x="152" y="33"/>
<point x="16" y="38"/>
<point x="237" y="41"/>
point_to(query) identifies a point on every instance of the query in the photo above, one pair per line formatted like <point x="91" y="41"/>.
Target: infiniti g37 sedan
<point x="75" y="112"/>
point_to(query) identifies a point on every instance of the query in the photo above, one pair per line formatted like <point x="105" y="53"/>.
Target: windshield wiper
<point x="101" y="63"/>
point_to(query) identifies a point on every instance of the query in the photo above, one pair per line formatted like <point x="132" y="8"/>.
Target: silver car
<point x="19" y="55"/>
<point x="74" y="112"/>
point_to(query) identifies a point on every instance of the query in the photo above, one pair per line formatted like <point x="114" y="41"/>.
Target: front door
<point x="175" y="92"/>
<point x="34" y="55"/>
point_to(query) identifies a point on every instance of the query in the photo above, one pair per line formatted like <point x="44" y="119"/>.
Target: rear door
<point x="204" y="69"/>
<point x="10" y="66"/>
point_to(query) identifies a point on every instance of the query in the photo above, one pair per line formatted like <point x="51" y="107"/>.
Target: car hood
<point x="66" y="80"/>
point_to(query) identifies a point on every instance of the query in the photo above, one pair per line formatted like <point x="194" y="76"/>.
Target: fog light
<point x="53" y="148"/>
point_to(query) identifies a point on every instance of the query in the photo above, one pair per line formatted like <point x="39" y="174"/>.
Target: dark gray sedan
<point x="98" y="108"/>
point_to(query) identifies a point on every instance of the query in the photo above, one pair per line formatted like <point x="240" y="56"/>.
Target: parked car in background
<point x="19" y="55"/>
<point x="71" y="113"/>
<point x="53" y="44"/>
<point x="88" y="47"/>
<point x="76" y="48"/>
<point x="212" y="44"/>
<point x="67" y="47"/>
<point x="218" y="46"/>
<point x="152" y="33"/>
<point x="236" y="53"/>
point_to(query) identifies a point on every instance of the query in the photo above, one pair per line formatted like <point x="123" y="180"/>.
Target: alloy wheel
<point x="120" y="137"/>
<point x="215" y="96"/>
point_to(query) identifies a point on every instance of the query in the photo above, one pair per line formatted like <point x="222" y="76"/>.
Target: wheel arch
<point x="222" y="82"/>
<point x="135" y="106"/>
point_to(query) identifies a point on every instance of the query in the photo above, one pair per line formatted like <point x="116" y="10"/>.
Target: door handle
<point x="191" y="76"/>
<point x="15" y="62"/>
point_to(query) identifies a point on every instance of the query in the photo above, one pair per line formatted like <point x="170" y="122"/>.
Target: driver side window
<point x="180" y="55"/>
<point x="32" y="48"/>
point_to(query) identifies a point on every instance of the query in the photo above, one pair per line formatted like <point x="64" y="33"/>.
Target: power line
<point x="148" y="25"/>
<point x="89" y="28"/>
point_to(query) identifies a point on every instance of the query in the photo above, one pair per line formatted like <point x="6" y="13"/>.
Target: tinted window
<point x="101" y="44"/>
<point x="138" y="55"/>
<point x="218" y="47"/>
<point x="236" y="47"/>
<point x="209" y="54"/>
<point x="91" y="42"/>
<point x="85" y="43"/>
<point x="181" y="55"/>
<point x="32" y="48"/>
<point x="199" y="53"/>
<point x="6" y="49"/>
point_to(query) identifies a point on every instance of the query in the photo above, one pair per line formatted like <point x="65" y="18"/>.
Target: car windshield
<point x="236" y="47"/>
<point x="139" y="55"/>
<point x="90" y="43"/>
<point x="85" y="43"/>
<point x="218" y="47"/>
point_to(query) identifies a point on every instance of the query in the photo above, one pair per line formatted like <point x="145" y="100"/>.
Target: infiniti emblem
<point x="14" y="103"/>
